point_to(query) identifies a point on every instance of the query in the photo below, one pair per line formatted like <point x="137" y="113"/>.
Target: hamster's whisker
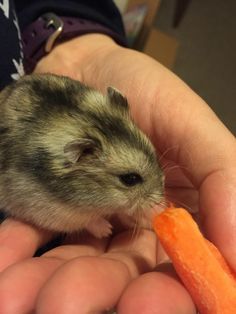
<point x="137" y="224"/>
<point x="164" y="203"/>
<point x="153" y="200"/>
<point x="166" y="165"/>
<point x="181" y="204"/>
<point x="162" y="156"/>
<point x="170" y="168"/>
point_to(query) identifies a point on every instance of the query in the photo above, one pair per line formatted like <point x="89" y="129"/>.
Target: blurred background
<point x="196" y="39"/>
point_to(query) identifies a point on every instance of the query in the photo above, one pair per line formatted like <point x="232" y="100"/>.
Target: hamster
<point x="70" y="157"/>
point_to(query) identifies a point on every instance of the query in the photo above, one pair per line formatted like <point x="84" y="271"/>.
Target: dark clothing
<point x="103" y="12"/>
<point x="11" y="60"/>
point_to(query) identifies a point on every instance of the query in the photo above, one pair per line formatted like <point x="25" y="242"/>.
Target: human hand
<point x="83" y="275"/>
<point x="182" y="127"/>
<point x="187" y="133"/>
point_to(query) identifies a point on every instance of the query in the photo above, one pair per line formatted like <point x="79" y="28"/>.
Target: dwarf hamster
<point x="71" y="157"/>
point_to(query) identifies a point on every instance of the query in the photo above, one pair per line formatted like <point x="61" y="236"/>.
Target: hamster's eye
<point x="88" y="151"/>
<point x="130" y="179"/>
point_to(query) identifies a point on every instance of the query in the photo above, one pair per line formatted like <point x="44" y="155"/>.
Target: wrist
<point x="76" y="56"/>
<point x="49" y="29"/>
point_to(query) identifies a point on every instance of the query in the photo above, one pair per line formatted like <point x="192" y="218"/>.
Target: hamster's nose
<point x="131" y="179"/>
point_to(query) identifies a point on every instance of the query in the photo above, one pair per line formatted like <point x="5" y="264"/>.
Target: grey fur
<point x="63" y="146"/>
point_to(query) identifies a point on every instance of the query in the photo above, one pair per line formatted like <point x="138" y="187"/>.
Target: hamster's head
<point x="112" y="166"/>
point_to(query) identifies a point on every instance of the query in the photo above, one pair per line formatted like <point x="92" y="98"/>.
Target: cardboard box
<point x="161" y="47"/>
<point x="150" y="40"/>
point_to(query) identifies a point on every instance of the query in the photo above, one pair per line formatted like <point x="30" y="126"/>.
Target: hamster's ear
<point x="117" y="99"/>
<point x="74" y="150"/>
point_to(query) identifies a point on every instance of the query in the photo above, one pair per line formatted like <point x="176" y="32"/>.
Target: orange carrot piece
<point x="198" y="262"/>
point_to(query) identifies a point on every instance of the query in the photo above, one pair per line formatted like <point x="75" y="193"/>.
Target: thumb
<point x="207" y="151"/>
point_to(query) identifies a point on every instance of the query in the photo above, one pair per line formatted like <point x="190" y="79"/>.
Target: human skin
<point x="199" y="156"/>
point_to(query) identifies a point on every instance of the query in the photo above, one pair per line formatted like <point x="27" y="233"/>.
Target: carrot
<point x="198" y="262"/>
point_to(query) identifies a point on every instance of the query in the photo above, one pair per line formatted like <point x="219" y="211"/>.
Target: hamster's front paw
<point x="100" y="228"/>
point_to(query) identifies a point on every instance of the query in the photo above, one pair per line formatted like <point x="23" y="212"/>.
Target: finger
<point x="84" y="285"/>
<point x="20" y="284"/>
<point x="23" y="281"/>
<point x="156" y="293"/>
<point x="137" y="251"/>
<point x="81" y="245"/>
<point x="162" y="257"/>
<point x="19" y="241"/>
<point x="218" y="205"/>
<point x="101" y="280"/>
<point x="206" y="151"/>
